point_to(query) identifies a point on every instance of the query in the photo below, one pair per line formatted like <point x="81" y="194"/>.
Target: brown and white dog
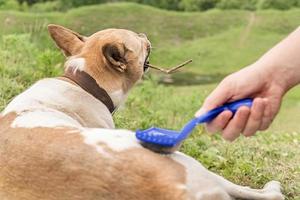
<point x="58" y="142"/>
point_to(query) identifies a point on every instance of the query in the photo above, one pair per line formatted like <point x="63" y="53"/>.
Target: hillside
<point x="220" y="40"/>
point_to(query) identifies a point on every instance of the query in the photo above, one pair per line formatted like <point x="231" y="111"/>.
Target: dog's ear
<point x="67" y="40"/>
<point x="114" y="54"/>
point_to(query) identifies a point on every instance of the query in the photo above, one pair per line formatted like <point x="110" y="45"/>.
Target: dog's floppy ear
<point x="67" y="40"/>
<point x="114" y="54"/>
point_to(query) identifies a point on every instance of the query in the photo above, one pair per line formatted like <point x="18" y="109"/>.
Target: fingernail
<point x="200" y="112"/>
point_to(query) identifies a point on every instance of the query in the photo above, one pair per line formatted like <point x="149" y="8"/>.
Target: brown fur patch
<point x="55" y="164"/>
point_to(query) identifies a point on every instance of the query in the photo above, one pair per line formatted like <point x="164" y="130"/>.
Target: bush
<point x="9" y="5"/>
<point x="238" y="4"/>
<point x="28" y="61"/>
<point x="169" y="4"/>
<point x="195" y="5"/>
<point x="77" y="3"/>
<point x="185" y="5"/>
<point x="31" y="2"/>
<point x="22" y="63"/>
<point x="297" y="3"/>
<point x="165" y="4"/>
<point x="278" y="4"/>
<point x="46" y="7"/>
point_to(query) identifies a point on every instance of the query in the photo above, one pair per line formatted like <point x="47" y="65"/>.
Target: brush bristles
<point x="161" y="149"/>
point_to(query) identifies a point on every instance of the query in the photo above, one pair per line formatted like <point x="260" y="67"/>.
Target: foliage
<point x="46" y="6"/>
<point x="199" y="5"/>
<point x="76" y="3"/>
<point x="31" y="2"/>
<point x="196" y="5"/>
<point x="185" y="5"/>
<point x="9" y="5"/>
<point x="238" y="4"/>
<point x="19" y="67"/>
<point x="278" y="4"/>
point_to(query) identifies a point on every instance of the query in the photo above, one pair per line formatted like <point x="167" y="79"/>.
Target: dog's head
<point x="115" y="58"/>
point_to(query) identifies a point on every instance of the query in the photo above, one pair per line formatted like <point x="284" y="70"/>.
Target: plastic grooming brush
<point x="166" y="141"/>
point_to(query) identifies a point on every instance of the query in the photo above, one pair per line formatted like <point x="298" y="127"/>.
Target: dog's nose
<point x="146" y="65"/>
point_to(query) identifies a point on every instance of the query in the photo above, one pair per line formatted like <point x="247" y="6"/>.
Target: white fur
<point x="117" y="140"/>
<point x="44" y="118"/>
<point x="194" y="171"/>
<point x="205" y="185"/>
<point x="61" y="96"/>
<point x="76" y="63"/>
<point x="118" y="97"/>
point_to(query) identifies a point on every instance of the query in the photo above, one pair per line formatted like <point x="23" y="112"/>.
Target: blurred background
<point x="178" y="5"/>
<point x="221" y="36"/>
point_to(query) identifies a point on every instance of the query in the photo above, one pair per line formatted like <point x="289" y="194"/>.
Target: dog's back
<point x="46" y="163"/>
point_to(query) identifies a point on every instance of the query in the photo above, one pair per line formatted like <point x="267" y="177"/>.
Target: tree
<point x="238" y="4"/>
<point x="196" y="5"/>
<point x="277" y="4"/>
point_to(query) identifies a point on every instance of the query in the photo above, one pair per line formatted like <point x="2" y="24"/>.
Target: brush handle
<point x="210" y="115"/>
<point x="232" y="106"/>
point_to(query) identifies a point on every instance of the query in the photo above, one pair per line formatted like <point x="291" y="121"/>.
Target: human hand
<point x="255" y="82"/>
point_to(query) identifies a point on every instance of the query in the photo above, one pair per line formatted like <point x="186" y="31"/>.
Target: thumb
<point x="217" y="98"/>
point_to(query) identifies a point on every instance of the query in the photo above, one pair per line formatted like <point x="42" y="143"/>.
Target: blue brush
<point x="164" y="140"/>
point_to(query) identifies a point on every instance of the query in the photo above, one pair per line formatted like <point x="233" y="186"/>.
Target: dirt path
<point x="247" y="30"/>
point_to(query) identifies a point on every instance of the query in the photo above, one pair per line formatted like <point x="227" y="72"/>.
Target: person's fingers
<point x="267" y="117"/>
<point x="218" y="97"/>
<point x="255" y="117"/>
<point x="237" y="124"/>
<point x="219" y="122"/>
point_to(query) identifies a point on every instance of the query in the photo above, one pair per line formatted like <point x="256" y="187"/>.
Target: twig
<point x="171" y="70"/>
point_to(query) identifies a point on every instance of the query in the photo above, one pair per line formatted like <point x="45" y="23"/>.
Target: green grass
<point x="219" y="42"/>
<point x="249" y="161"/>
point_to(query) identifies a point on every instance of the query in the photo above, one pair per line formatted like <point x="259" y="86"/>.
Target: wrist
<point x="285" y="76"/>
<point x="282" y="63"/>
<point x="271" y="75"/>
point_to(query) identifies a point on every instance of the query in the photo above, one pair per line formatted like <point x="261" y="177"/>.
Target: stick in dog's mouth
<point x="171" y="70"/>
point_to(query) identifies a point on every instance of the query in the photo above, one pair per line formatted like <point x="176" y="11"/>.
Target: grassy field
<point x="219" y="42"/>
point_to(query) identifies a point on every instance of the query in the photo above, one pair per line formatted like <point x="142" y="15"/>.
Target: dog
<point x="58" y="142"/>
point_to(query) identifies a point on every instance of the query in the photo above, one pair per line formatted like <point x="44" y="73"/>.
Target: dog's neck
<point x="87" y="83"/>
<point x="104" y="79"/>
<point x="76" y="106"/>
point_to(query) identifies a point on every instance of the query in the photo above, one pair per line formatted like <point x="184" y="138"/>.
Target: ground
<point x="219" y="42"/>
